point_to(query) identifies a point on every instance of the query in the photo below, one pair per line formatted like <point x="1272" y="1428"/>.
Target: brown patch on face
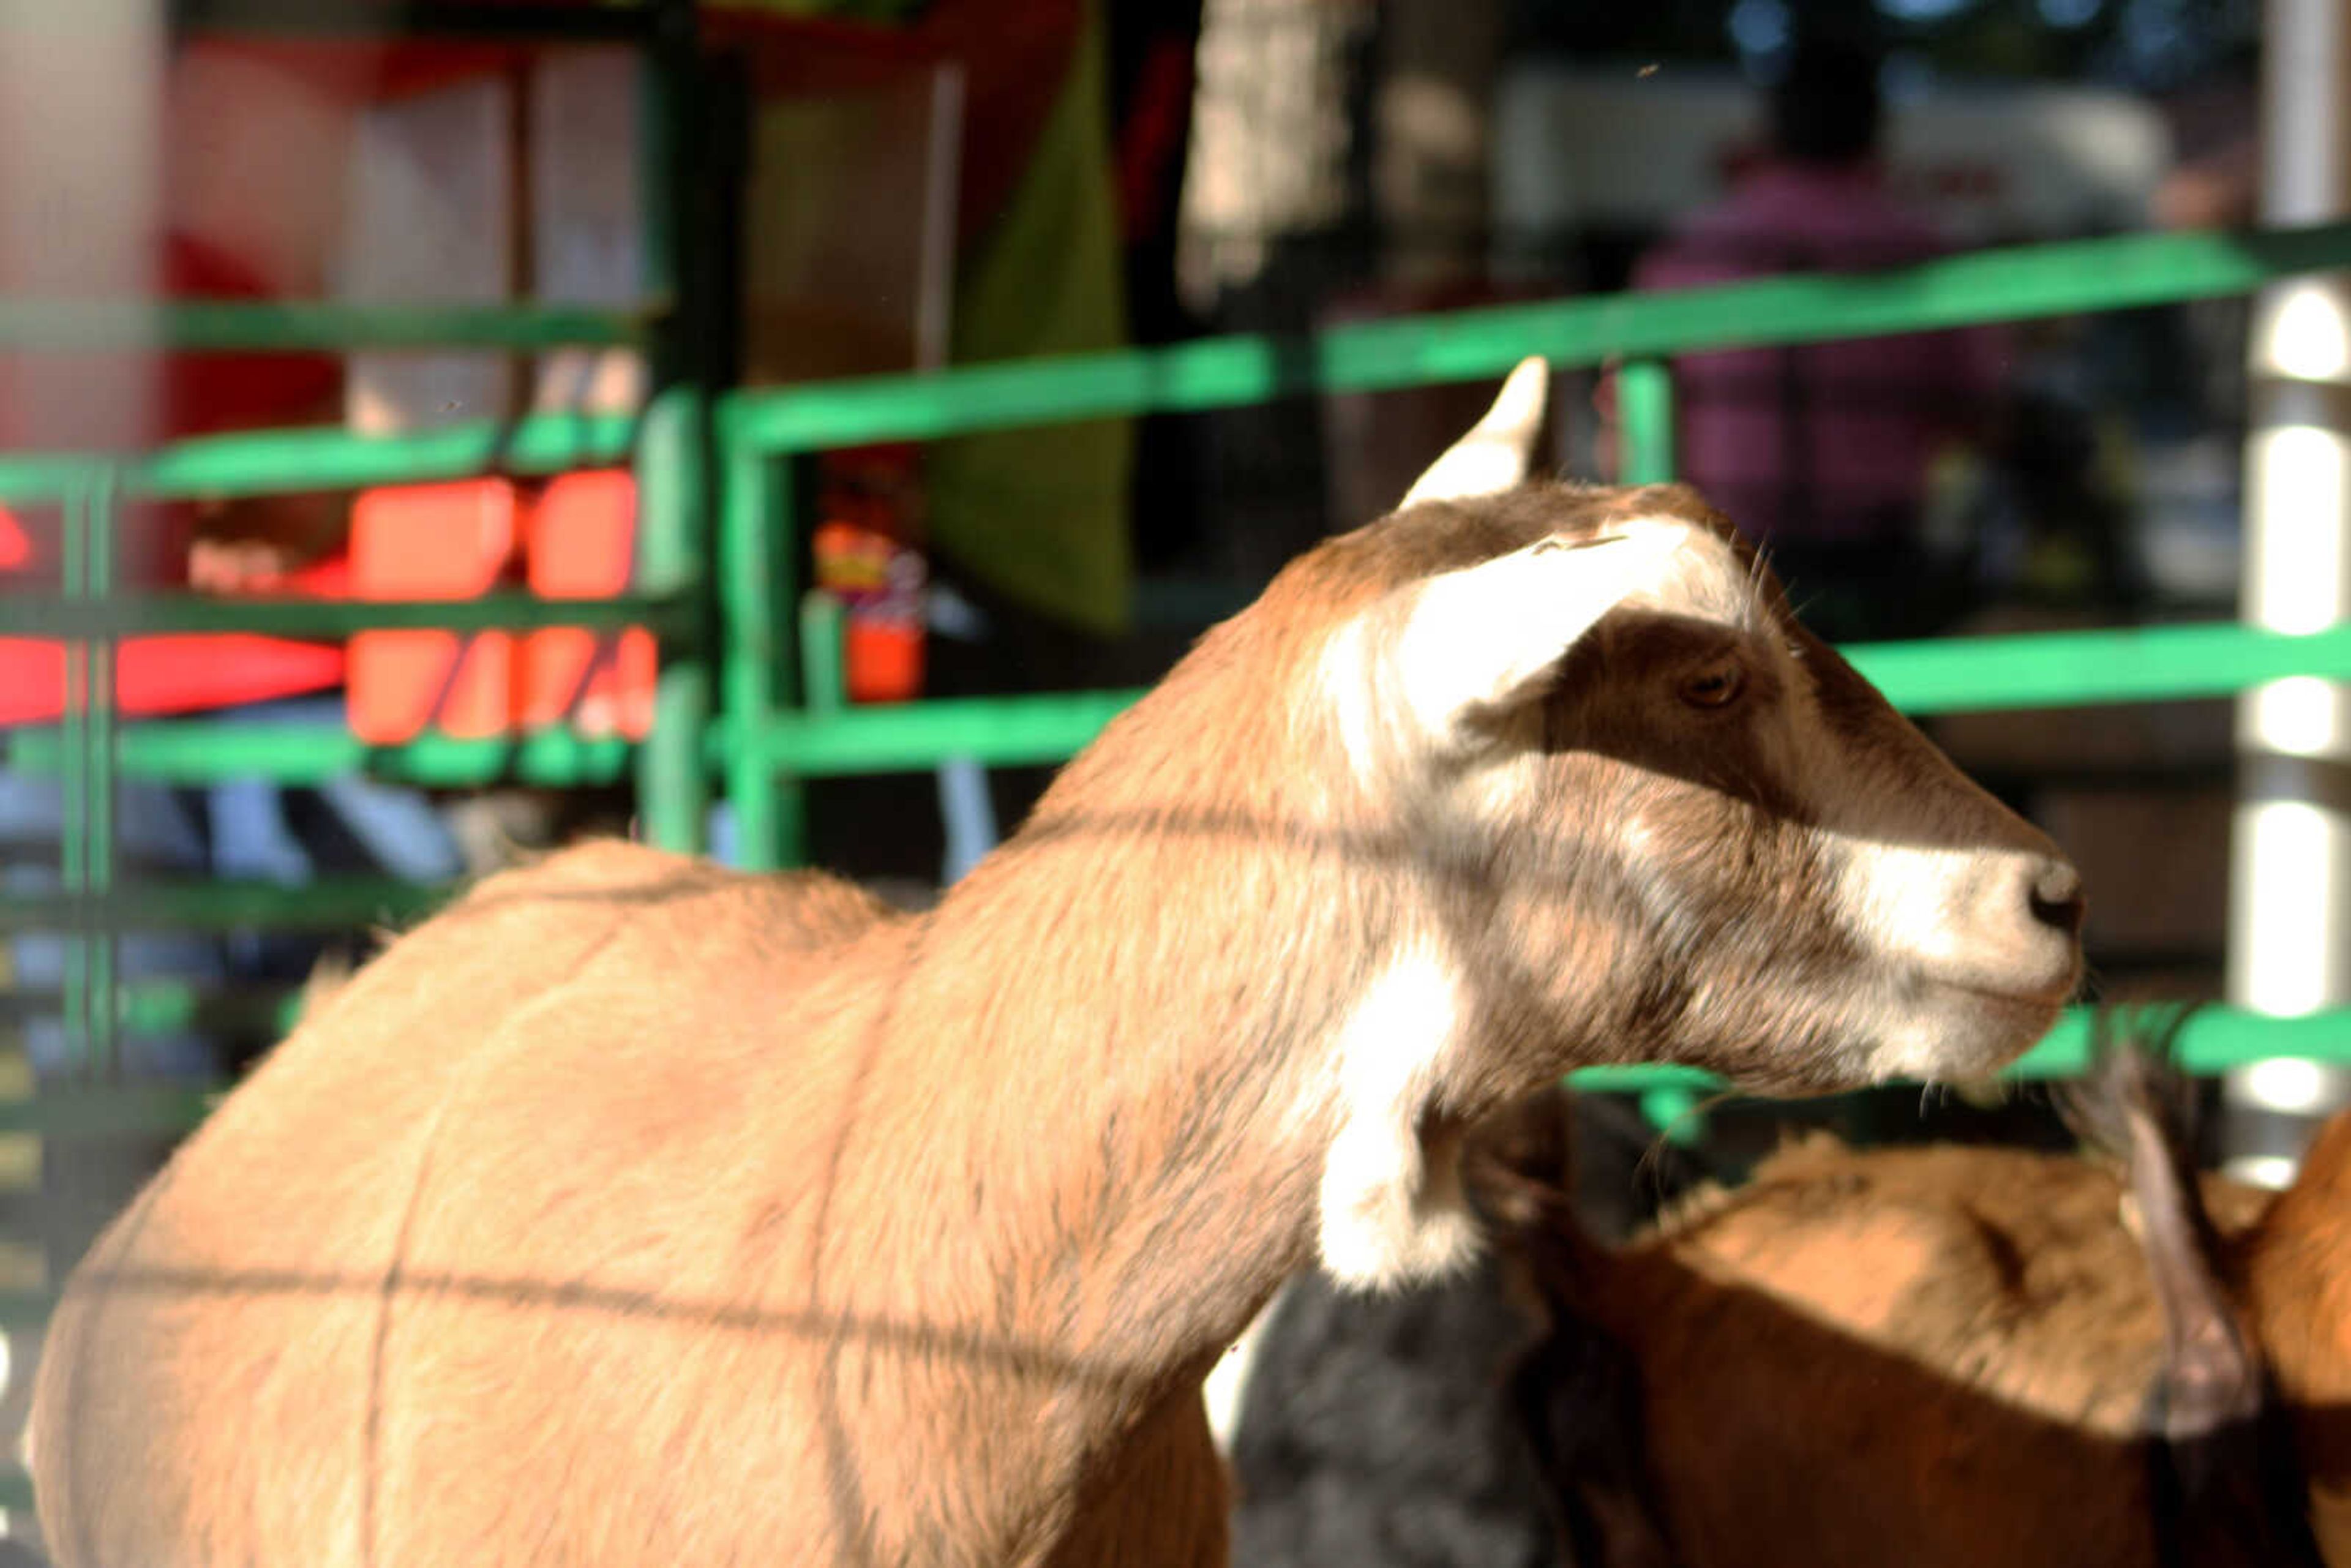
<point x="1696" y="847"/>
<point x="1623" y="694"/>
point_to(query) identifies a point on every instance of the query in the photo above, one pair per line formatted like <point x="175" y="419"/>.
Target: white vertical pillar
<point x="80" y="197"/>
<point x="2289" y="891"/>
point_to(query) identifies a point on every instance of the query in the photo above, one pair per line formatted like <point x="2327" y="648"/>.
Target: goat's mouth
<point x="1909" y="1027"/>
<point x="1961" y="1030"/>
<point x="2041" y="1003"/>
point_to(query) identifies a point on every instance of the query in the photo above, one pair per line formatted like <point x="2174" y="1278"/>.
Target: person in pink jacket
<point x="1823" y="450"/>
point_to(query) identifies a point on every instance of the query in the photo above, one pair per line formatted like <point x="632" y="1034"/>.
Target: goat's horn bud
<point x="1500" y="448"/>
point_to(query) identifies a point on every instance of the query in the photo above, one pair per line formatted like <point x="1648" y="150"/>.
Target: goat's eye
<point x="1716" y="685"/>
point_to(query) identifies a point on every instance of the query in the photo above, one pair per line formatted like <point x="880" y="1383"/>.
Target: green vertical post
<point x="86" y="817"/>
<point x="755" y="528"/>
<point x="672" y="767"/>
<point x="97" y="861"/>
<point x="1644" y="403"/>
<point x="73" y="776"/>
<point x="823" y="673"/>
<point x="673" y="510"/>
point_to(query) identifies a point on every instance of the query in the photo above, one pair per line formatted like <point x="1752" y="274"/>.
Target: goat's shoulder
<point x="681" y="1082"/>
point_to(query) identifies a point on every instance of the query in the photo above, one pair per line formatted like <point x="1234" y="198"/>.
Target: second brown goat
<point x="1945" y="1354"/>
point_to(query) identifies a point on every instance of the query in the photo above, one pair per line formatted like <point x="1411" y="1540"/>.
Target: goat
<point x="1947" y="1355"/>
<point x="627" y="1211"/>
<point x="2291" y="1271"/>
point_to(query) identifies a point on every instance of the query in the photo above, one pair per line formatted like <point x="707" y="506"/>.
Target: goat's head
<point x="1590" y="793"/>
<point x="1596" y="710"/>
<point x="1652" y="816"/>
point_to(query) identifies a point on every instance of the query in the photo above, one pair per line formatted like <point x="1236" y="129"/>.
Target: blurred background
<point x="499" y="269"/>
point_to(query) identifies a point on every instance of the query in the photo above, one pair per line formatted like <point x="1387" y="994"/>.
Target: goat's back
<point x="246" y="1365"/>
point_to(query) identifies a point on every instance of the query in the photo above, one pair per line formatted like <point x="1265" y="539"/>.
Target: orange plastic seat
<point x="575" y="537"/>
<point x="16" y="544"/>
<point x="449" y="540"/>
<point x="185" y="673"/>
<point x="579" y="542"/>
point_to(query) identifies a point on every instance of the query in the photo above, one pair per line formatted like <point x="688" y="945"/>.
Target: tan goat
<point x="631" y="1211"/>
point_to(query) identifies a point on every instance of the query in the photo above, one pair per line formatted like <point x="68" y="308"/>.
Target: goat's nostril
<point x="2056" y="897"/>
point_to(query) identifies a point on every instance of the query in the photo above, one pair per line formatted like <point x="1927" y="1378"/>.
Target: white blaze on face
<point x="1387" y="1218"/>
<point x="1484" y="638"/>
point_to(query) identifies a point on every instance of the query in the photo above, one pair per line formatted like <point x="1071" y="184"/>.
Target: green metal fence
<point x="776" y="740"/>
<point x="667" y="446"/>
<point x="91" y="749"/>
<point x="750" y="691"/>
<point x="784" y="719"/>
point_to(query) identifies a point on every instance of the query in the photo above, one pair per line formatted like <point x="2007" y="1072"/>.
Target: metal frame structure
<point x="668" y="446"/>
<point x="784" y="718"/>
<point x="772" y="743"/>
<point x="750" y="690"/>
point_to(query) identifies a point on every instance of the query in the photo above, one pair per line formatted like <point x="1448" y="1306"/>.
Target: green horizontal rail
<point x="280" y="462"/>
<point x="2045" y="669"/>
<point x="207" y="751"/>
<point x="131" y="615"/>
<point x="2081" y="669"/>
<point x="1979" y="287"/>
<point x="2214" y="1040"/>
<point x="997" y="732"/>
<point x="76" y="326"/>
<point x="333" y="904"/>
<point x="162" y="1007"/>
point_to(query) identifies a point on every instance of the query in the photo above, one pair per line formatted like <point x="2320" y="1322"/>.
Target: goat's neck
<point x="1141" y="1044"/>
<point x="1208" y="994"/>
<point x="1118" y="1058"/>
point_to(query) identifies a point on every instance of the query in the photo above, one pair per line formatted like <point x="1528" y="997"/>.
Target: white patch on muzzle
<point x="1958" y="917"/>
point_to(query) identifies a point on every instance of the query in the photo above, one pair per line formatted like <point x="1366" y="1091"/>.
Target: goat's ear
<point x="1500" y="448"/>
<point x="1484" y="639"/>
